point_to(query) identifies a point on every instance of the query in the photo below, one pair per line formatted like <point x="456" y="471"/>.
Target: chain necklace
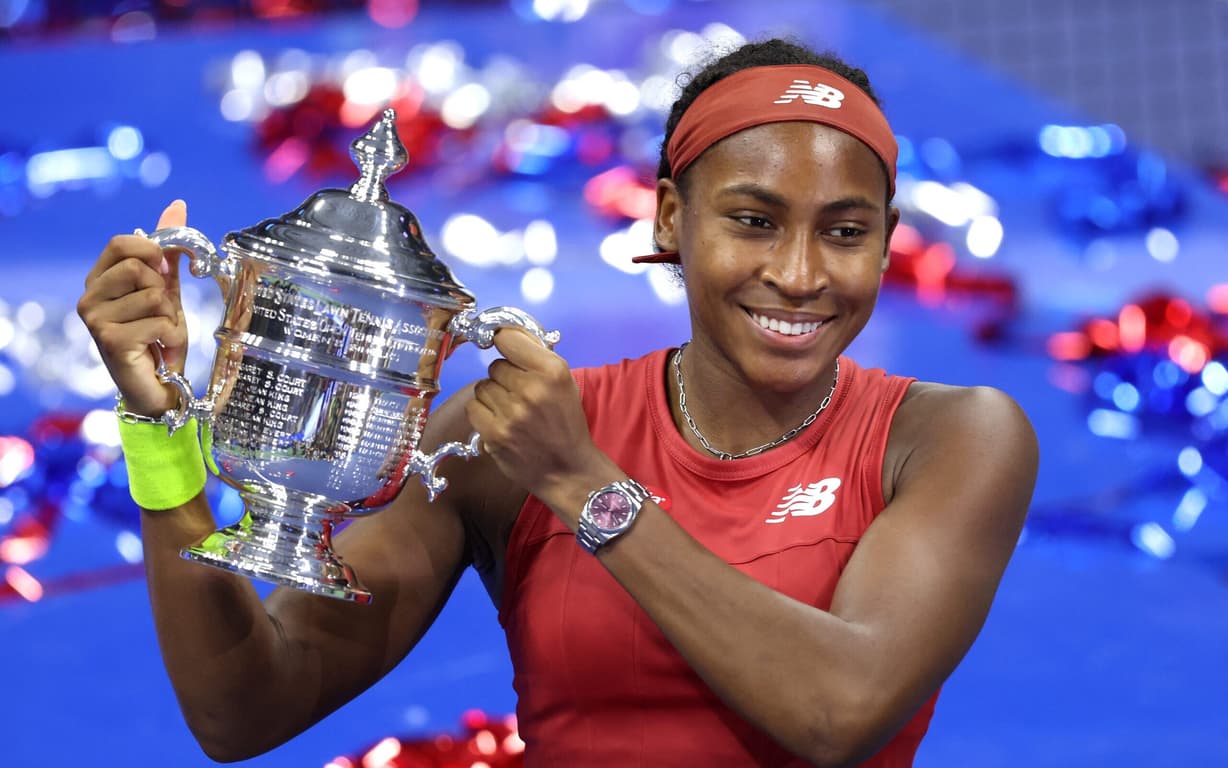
<point x="786" y="437"/>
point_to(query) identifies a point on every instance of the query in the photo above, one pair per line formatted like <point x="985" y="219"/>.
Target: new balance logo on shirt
<point x="806" y="501"/>
<point x="818" y="94"/>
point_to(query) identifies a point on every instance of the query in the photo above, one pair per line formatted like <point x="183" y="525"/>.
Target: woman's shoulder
<point x="962" y="456"/>
<point x="958" y="429"/>
<point x="930" y="403"/>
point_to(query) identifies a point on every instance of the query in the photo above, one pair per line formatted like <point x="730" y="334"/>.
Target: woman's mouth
<point x="785" y="327"/>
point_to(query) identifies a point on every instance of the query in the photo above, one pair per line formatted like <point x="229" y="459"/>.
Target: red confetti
<point x="1217" y="299"/>
<point x="1219" y="177"/>
<point x="1158" y="322"/>
<point x="932" y="270"/>
<point x="487" y="741"/>
<point x="313" y="135"/>
<point x="619" y="192"/>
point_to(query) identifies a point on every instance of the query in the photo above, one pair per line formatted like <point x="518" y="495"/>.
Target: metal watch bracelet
<point x="592" y="538"/>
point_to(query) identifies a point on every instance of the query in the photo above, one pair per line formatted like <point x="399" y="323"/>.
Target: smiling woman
<point x="824" y="569"/>
<point x="746" y="551"/>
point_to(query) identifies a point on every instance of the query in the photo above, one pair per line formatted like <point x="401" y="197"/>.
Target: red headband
<point x="776" y="94"/>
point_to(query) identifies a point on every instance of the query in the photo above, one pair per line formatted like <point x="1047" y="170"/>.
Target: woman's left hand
<point x="529" y="414"/>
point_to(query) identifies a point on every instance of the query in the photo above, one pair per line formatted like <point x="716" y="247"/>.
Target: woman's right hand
<point x="131" y="301"/>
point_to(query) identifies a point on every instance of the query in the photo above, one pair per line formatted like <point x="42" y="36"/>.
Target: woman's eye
<point x="847" y="232"/>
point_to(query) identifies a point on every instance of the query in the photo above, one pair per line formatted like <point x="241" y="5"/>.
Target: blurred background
<point x="1064" y="187"/>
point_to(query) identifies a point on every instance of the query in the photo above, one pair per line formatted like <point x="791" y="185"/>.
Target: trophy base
<point x="272" y="546"/>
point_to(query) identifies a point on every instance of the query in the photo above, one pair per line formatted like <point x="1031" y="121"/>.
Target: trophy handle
<point x="425" y="464"/>
<point x="204" y="258"/>
<point x="187" y="407"/>
<point x="478" y="327"/>
<point x="205" y="262"/>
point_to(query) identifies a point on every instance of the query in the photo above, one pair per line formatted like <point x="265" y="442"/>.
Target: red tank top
<point x="598" y="683"/>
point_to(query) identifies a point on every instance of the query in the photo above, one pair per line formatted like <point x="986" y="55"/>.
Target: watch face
<point x="609" y="510"/>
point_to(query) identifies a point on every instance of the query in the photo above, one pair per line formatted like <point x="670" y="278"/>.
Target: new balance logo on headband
<point x="818" y="94"/>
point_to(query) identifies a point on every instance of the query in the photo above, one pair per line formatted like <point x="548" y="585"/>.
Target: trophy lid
<point x="359" y="234"/>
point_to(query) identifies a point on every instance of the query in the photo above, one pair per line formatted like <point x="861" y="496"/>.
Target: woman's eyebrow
<point x="767" y="196"/>
<point x="851" y="204"/>
<point x="763" y="194"/>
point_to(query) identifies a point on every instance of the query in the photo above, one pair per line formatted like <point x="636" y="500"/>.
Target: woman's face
<point x="783" y="237"/>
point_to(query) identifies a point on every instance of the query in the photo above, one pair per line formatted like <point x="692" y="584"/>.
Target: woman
<point x="778" y="556"/>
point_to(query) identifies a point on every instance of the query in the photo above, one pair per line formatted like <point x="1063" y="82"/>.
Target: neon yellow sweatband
<point x="164" y="471"/>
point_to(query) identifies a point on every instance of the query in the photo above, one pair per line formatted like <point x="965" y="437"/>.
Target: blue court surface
<point x="1107" y="643"/>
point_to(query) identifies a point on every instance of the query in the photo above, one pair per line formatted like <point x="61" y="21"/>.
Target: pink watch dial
<point x="609" y="510"/>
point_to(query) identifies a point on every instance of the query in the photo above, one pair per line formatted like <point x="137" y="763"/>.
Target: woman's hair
<point x="765" y="53"/>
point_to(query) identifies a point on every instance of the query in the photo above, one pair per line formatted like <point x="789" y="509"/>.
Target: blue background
<point x="1096" y="652"/>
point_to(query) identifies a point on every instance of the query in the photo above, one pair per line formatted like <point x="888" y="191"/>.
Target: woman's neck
<point x="732" y="414"/>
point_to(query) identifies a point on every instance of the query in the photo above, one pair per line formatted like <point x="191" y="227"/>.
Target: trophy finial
<point x="378" y="154"/>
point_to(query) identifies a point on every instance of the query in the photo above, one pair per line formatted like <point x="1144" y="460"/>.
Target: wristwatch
<point x="609" y="512"/>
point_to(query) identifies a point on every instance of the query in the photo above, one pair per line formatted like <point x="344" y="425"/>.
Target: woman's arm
<point x="831" y="686"/>
<point x="250" y="675"/>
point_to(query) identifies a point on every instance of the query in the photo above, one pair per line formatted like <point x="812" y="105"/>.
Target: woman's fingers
<point x="123" y="247"/>
<point x="131" y="301"/>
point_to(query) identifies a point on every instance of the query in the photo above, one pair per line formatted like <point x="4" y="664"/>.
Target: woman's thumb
<point x="175" y="215"/>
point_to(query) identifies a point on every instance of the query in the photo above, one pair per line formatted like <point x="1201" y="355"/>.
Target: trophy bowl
<point x="337" y="320"/>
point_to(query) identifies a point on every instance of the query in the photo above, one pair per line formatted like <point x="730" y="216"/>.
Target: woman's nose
<point x="797" y="268"/>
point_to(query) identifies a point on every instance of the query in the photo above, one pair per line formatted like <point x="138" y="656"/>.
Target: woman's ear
<point x="669" y="204"/>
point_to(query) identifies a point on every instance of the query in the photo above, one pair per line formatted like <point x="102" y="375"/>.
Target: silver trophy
<point x="338" y="318"/>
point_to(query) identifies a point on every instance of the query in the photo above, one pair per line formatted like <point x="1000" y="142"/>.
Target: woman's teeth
<point x="784" y="327"/>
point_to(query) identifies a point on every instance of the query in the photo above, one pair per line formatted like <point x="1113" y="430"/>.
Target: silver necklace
<point x="725" y="456"/>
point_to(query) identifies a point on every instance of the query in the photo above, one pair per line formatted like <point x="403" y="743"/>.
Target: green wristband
<point x="164" y="471"/>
